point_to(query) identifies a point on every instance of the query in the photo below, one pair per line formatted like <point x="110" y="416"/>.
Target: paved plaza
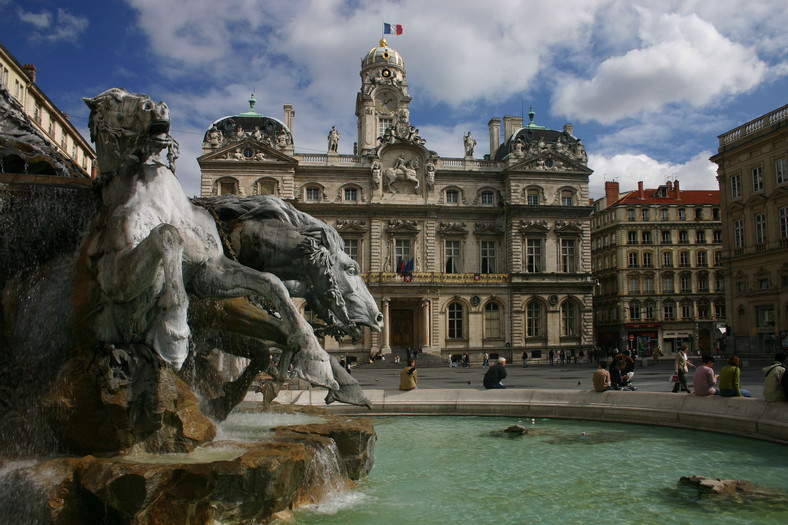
<point x="651" y="378"/>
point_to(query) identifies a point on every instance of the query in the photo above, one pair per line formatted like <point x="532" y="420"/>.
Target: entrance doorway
<point x="403" y="333"/>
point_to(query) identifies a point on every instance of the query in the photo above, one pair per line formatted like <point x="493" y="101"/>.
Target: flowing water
<point x="439" y="470"/>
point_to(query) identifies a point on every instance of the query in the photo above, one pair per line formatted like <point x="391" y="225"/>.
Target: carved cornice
<point x="568" y="227"/>
<point x="489" y="228"/>
<point x="402" y="226"/>
<point x="452" y="228"/>
<point x="351" y="226"/>
<point x="534" y="226"/>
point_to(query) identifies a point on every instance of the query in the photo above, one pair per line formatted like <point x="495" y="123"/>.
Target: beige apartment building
<point x="657" y="259"/>
<point x="753" y="176"/>
<point x="20" y="81"/>
<point x="467" y="254"/>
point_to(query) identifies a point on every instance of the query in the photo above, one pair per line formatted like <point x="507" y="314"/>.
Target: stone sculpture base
<point x="252" y="482"/>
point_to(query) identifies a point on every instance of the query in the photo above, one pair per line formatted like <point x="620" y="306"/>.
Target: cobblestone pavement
<point x="652" y="378"/>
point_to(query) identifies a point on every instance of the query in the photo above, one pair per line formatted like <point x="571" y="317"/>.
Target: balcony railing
<point x="438" y="277"/>
<point x="754" y="126"/>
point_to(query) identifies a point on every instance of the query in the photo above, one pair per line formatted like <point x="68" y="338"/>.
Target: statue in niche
<point x="469" y="143"/>
<point x="333" y="140"/>
<point x="430" y="175"/>
<point x="375" y="174"/>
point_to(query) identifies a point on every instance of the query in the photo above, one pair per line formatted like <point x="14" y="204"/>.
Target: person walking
<point x="525" y="359"/>
<point x="682" y="362"/>
<point x="486" y="361"/>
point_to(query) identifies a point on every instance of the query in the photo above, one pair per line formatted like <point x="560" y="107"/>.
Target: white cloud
<point x="683" y="59"/>
<point x="64" y="27"/>
<point x="40" y="20"/>
<point x="699" y="173"/>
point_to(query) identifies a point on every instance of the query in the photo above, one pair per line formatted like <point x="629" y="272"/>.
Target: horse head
<point x="337" y="292"/>
<point x="127" y="126"/>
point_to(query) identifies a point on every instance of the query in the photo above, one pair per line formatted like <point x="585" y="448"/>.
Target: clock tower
<point x="383" y="99"/>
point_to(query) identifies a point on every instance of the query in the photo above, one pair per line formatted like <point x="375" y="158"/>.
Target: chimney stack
<point x="31" y="71"/>
<point x="640" y="189"/>
<point x="676" y="191"/>
<point x="289" y="114"/>
<point x="510" y="125"/>
<point x="495" y="135"/>
<point x="611" y="192"/>
<point x="569" y="128"/>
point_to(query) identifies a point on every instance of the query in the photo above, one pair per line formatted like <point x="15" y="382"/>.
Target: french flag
<point x="392" y="29"/>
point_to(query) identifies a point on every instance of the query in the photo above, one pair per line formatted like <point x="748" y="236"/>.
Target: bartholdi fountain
<point x="107" y="334"/>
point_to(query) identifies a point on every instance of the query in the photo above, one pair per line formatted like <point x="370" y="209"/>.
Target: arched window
<point x="227" y="186"/>
<point x="569" y="319"/>
<point x="455" y="328"/>
<point x="567" y="197"/>
<point x="535" y="320"/>
<point x="492" y="321"/>
<point x="313" y="193"/>
<point x="452" y="196"/>
<point x="266" y="187"/>
<point x="487" y="197"/>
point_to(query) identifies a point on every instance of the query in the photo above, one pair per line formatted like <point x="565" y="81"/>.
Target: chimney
<point x="676" y="191"/>
<point x="611" y="192"/>
<point x="640" y="189"/>
<point x="495" y="135"/>
<point x="289" y="114"/>
<point x="569" y="128"/>
<point x="510" y="125"/>
<point x="31" y="71"/>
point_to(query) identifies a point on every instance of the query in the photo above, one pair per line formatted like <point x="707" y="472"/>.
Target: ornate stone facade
<point x="463" y="254"/>
<point x="753" y="175"/>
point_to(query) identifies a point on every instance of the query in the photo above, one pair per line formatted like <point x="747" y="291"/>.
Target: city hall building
<point x="465" y="254"/>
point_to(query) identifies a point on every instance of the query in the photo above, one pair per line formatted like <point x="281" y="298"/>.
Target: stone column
<point x="426" y="341"/>
<point x="386" y="346"/>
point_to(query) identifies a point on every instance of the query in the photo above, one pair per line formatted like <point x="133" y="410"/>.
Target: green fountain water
<point x="438" y="470"/>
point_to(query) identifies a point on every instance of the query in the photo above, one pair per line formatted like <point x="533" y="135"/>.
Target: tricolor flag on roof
<point x="392" y="29"/>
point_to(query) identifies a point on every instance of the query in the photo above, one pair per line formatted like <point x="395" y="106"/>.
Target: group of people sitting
<point x="617" y="377"/>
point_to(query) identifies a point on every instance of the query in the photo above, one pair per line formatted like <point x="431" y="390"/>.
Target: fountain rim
<point x="747" y="417"/>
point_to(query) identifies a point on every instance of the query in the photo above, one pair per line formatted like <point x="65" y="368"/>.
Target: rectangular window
<point x="781" y="170"/>
<point x="632" y="260"/>
<point x="488" y="197"/>
<point x="700" y="237"/>
<point x="667" y="259"/>
<point x="682" y="214"/>
<point x="667" y="284"/>
<point x="648" y="285"/>
<point x="686" y="310"/>
<point x="664" y="212"/>
<point x="717" y="236"/>
<point x="735" y="186"/>
<point x="719" y="281"/>
<point x="351" y="248"/>
<point x="684" y="260"/>
<point x="670" y="310"/>
<point x="533" y="256"/>
<point x="646" y="236"/>
<point x="763" y="284"/>
<point x="37" y="113"/>
<point x="698" y="214"/>
<point x="631" y="215"/>
<point x="488" y="257"/>
<point x="757" y="179"/>
<point x="452" y="196"/>
<point x="401" y="253"/>
<point x="313" y="194"/>
<point x="634" y="285"/>
<point x="702" y="261"/>
<point x="532" y="197"/>
<point x="632" y="237"/>
<point x="738" y="233"/>
<point x="568" y="256"/>
<point x="647" y="261"/>
<point x="784" y="222"/>
<point x="683" y="237"/>
<point x="566" y="198"/>
<point x="666" y="238"/>
<point x="760" y="228"/>
<point x="719" y="310"/>
<point x="455" y="321"/>
<point x="634" y="311"/>
<point x="686" y="283"/>
<point x="644" y="214"/>
<point x="648" y="312"/>
<point x="384" y="124"/>
<point x="452" y="256"/>
<point x="351" y="195"/>
<point x="741" y="287"/>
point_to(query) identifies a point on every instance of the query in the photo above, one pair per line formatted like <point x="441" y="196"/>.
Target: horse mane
<point x="260" y="207"/>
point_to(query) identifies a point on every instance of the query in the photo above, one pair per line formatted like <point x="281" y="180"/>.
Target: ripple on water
<point x="437" y="470"/>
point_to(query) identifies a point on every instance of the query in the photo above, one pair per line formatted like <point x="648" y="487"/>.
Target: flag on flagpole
<point x="392" y="29"/>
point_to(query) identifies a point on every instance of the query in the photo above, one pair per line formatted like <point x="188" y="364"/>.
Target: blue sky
<point x="647" y="85"/>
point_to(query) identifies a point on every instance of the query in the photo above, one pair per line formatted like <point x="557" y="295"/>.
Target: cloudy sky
<point x="648" y="85"/>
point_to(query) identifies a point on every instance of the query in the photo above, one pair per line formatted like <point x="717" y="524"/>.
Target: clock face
<point x="386" y="103"/>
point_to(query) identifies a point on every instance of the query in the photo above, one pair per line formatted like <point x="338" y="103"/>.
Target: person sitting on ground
<point x="774" y="376"/>
<point x="495" y="374"/>
<point x="409" y="376"/>
<point x="704" y="380"/>
<point x="730" y="378"/>
<point x="601" y="378"/>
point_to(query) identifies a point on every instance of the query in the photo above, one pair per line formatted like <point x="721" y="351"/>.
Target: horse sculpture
<point x="402" y="170"/>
